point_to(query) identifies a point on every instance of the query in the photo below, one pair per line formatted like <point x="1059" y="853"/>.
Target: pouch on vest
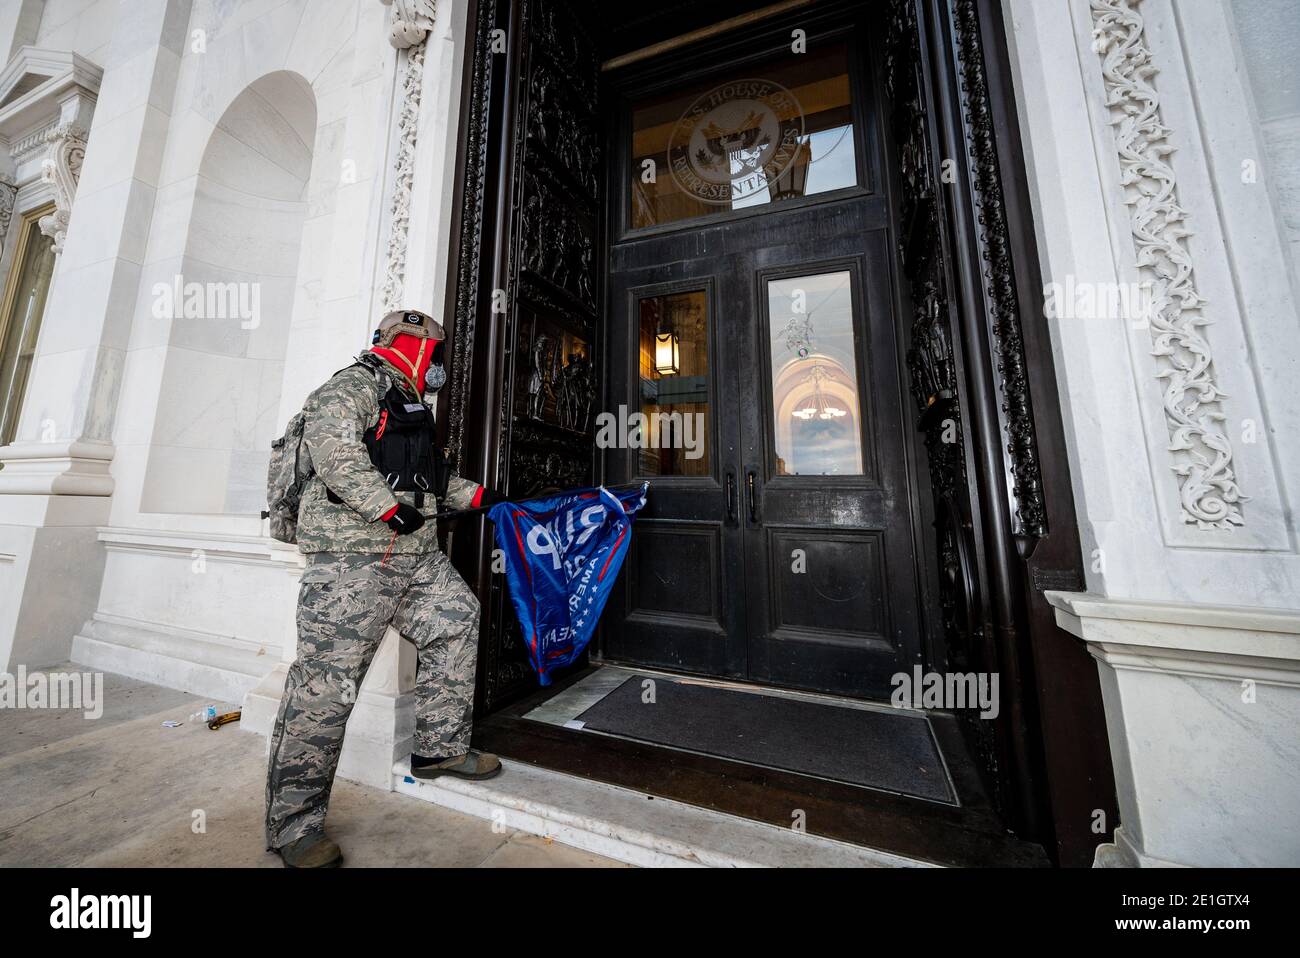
<point x="402" y="448"/>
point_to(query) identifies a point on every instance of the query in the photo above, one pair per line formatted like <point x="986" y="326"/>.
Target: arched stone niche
<point x="230" y="305"/>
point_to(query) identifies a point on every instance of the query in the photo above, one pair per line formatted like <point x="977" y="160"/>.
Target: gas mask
<point x="436" y="375"/>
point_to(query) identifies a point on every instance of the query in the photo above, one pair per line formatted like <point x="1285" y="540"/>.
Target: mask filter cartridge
<point x="435" y="377"/>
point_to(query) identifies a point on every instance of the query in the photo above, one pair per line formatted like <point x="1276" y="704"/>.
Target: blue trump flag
<point x="563" y="554"/>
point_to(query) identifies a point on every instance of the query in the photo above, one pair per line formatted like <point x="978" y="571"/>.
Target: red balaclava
<point x="411" y="355"/>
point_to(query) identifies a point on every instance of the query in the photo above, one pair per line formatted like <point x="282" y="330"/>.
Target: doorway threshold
<point x="835" y="739"/>
<point x="633" y="827"/>
<point x="543" y="730"/>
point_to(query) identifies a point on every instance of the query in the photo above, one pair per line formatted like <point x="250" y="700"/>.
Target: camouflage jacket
<point x="338" y="415"/>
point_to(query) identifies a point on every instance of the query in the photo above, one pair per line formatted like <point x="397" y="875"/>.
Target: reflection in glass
<point x="674" y="376"/>
<point x="815" y="402"/>
<point x="21" y="324"/>
<point x="779" y="131"/>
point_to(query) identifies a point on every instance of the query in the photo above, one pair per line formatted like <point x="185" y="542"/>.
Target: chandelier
<point x="820" y="408"/>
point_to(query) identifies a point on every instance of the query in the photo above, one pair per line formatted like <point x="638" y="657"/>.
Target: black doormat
<point x="894" y="751"/>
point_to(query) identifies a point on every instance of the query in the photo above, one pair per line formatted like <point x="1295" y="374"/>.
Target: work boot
<point x="472" y="765"/>
<point x="311" y="851"/>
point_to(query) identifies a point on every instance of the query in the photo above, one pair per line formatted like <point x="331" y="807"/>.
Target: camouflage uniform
<point x="338" y="415"/>
<point x="349" y="596"/>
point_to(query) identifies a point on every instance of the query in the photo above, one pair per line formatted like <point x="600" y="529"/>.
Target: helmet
<point x="409" y="321"/>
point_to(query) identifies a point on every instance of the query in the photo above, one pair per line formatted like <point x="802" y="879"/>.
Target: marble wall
<point x="236" y="285"/>
<point x="239" y="143"/>
<point x="1221" y="235"/>
<point x="301" y="148"/>
<point x="1156" y="162"/>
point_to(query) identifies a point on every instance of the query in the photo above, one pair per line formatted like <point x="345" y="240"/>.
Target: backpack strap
<point x="365" y="361"/>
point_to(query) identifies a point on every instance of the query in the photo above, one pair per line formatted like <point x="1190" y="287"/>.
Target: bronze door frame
<point x="978" y="349"/>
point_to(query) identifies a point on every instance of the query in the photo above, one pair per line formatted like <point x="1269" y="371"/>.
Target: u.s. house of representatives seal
<point x="734" y="140"/>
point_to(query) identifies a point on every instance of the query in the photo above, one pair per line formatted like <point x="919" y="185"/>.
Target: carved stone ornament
<point x="410" y="24"/>
<point x="1192" y="399"/>
<point x="66" y="151"/>
<point x="8" y="194"/>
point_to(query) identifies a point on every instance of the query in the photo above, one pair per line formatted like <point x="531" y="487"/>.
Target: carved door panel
<point x="967" y="366"/>
<point x="527" y="343"/>
<point x="545" y="319"/>
<point x="933" y="368"/>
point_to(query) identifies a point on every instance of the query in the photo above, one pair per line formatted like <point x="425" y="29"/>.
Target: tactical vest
<point x="403" y="449"/>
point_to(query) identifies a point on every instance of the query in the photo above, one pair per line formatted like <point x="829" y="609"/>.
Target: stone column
<point x="1202" y="707"/>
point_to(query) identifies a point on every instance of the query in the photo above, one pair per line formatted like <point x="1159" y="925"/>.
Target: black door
<point x="754" y="374"/>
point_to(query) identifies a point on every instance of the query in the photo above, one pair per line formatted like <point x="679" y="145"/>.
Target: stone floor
<point x="123" y="789"/>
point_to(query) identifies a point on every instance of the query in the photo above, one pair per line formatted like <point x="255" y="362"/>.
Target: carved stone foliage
<point x="66" y="151"/>
<point x="8" y="194"/>
<point x="1193" y="403"/>
<point x="410" y="23"/>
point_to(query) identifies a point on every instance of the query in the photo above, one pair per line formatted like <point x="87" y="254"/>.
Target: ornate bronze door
<point x="526" y="333"/>
<point x="944" y="257"/>
<point x="753" y="251"/>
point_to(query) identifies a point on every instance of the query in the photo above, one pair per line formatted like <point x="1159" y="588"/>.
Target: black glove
<point x="405" y="520"/>
<point x="489" y="498"/>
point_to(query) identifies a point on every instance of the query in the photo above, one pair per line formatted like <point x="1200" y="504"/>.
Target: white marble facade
<point x="1159" y="137"/>
<point x="305" y="149"/>
<point x="252" y="148"/>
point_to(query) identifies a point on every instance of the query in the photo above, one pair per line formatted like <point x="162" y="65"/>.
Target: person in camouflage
<point x="373" y="561"/>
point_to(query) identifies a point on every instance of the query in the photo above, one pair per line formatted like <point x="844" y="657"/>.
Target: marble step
<point x="220" y="668"/>
<point x="634" y="827"/>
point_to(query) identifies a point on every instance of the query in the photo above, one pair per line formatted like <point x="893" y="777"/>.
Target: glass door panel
<point x="762" y="134"/>
<point x="813" y="365"/>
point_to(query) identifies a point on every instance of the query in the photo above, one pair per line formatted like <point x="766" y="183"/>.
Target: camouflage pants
<point x="346" y="603"/>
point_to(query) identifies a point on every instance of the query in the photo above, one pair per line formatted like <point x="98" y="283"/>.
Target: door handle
<point x="751" y="495"/>
<point x="731" y="497"/>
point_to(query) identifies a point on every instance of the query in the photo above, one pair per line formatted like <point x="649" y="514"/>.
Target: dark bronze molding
<point x="525" y="328"/>
<point x="474" y="175"/>
<point x="1017" y="415"/>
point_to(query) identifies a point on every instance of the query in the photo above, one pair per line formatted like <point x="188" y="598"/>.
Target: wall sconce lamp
<point x="667" y="354"/>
